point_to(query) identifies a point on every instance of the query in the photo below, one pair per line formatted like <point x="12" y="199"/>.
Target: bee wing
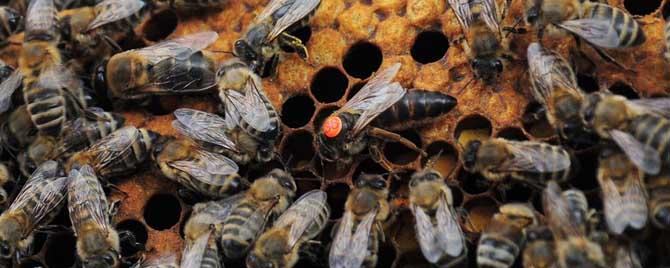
<point x="463" y="13"/>
<point x="449" y="233"/>
<point x="530" y="157"/>
<point x="204" y="127"/>
<point x="219" y="210"/>
<point x="612" y="201"/>
<point x="347" y="250"/>
<point x="596" y="30"/>
<point x="427" y="235"/>
<point x="298" y="10"/>
<point x="61" y="77"/>
<point x="86" y="198"/>
<point x="559" y="217"/>
<point x="633" y="197"/>
<point x="254" y="111"/>
<point x="40" y="16"/>
<point x="214" y="165"/>
<point x="489" y="14"/>
<point x="44" y="190"/>
<point x="180" y="48"/>
<point x="375" y="97"/>
<point x="659" y="106"/>
<point x="305" y="212"/>
<point x="7" y="88"/>
<point x="193" y="252"/>
<point x="548" y="71"/>
<point x="114" y="10"/>
<point x="118" y="143"/>
<point x="642" y="155"/>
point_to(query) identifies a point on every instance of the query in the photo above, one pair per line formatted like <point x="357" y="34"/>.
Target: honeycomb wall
<point x="348" y="40"/>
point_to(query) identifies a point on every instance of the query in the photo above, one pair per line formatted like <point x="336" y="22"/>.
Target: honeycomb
<point x="348" y="40"/>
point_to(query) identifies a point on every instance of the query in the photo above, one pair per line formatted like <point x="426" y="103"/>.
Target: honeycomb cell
<point x="160" y="25"/>
<point x="326" y="47"/>
<point x="294" y="73"/>
<point x="162" y="211"/>
<point x="424" y="12"/>
<point x="367" y="166"/>
<point x="331" y="171"/>
<point x="443" y="156"/>
<point x="298" y="148"/>
<point x="362" y="59"/>
<point x="257" y="171"/>
<point x="456" y="195"/>
<point x="641" y="7"/>
<point x="386" y="255"/>
<point x="514" y="192"/>
<point x="60" y="251"/>
<point x="472" y="127"/>
<point x="39" y="241"/>
<point x="139" y="233"/>
<point x="358" y="21"/>
<point x="306" y="181"/>
<point x="429" y="46"/>
<point x="400" y="154"/>
<point x="327" y="13"/>
<point x="473" y="183"/>
<point x="337" y="195"/>
<point x="587" y="167"/>
<point x="512" y="133"/>
<point x="297" y="111"/>
<point x="389" y="5"/>
<point x="481" y="210"/>
<point x="408" y="70"/>
<point x="587" y="83"/>
<point x="535" y="122"/>
<point x="329" y="85"/>
<point x="623" y="89"/>
<point x="394" y="35"/>
<point x="354" y="89"/>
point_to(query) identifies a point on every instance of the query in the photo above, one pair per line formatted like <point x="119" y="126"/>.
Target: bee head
<point x="254" y="261"/>
<point x="107" y="259"/>
<point x="487" y="69"/>
<point x="533" y="11"/>
<point x="124" y="71"/>
<point x="427" y="174"/>
<point x="245" y="52"/>
<point x="6" y="250"/>
<point x="470" y="154"/>
<point x="588" y="109"/>
<point x="284" y="179"/>
<point x="376" y="182"/>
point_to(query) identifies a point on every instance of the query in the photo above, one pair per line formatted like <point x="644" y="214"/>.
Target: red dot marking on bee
<point x="332" y="126"/>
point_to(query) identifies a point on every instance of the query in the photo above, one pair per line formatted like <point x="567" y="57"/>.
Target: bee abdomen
<point x="210" y="258"/>
<point x="238" y="231"/>
<point x="496" y="252"/>
<point x="654" y="131"/>
<point x="556" y="154"/>
<point x="373" y="247"/>
<point x="416" y="105"/>
<point x="659" y="201"/>
<point x="229" y="185"/>
<point x="630" y="33"/>
<point x="46" y="108"/>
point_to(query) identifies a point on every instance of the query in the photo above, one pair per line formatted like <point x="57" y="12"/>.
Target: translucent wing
<point x="254" y="110"/>
<point x="533" y="157"/>
<point x="298" y="10"/>
<point x="635" y="196"/>
<point x="597" y="31"/>
<point x="558" y="215"/>
<point x="40" y="17"/>
<point x="631" y="204"/>
<point x="463" y="13"/>
<point x="347" y="250"/>
<point x="204" y="127"/>
<point x="110" y="148"/>
<point x="659" y="106"/>
<point x="114" y="10"/>
<point x="209" y="168"/>
<point x="426" y="235"/>
<point x="308" y="210"/>
<point x="271" y="8"/>
<point x="60" y="77"/>
<point x="549" y="71"/>
<point x="42" y="193"/>
<point x="643" y="156"/>
<point x="489" y="13"/>
<point x="7" y="88"/>
<point x="216" y="211"/>
<point x="375" y="97"/>
<point x="449" y="232"/>
<point x="86" y="198"/>
<point x="193" y="252"/>
<point x="180" y="48"/>
<point x="612" y="201"/>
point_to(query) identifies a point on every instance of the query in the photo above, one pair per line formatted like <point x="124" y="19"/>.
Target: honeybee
<point x="438" y="231"/>
<point x="39" y="151"/>
<point x="502" y="240"/>
<point x="174" y="66"/>
<point x="567" y="217"/>
<point x="485" y="45"/>
<point x="162" y="261"/>
<point x="417" y="107"/>
<point x="6" y="175"/>
<point x="659" y="199"/>
<point x="530" y="162"/>
<point x="21" y="5"/>
<point x="555" y="87"/>
<point x="356" y="241"/>
<point x="624" y="194"/>
<point x="97" y="241"/>
<point x="117" y="154"/>
<point x="638" y="127"/>
<point x="80" y="133"/>
<point x="8" y="86"/>
<point x="539" y="249"/>
<point x="190" y="5"/>
<point x="266" y="199"/>
<point x="202" y="253"/>
<point x="222" y="135"/>
<point x="208" y="214"/>
<point x="241" y="92"/>
<point x="38" y="202"/>
<point x="260" y="47"/>
<point x="210" y="174"/>
<point x="279" y="246"/>
<point x="345" y="133"/>
<point x="18" y="130"/>
<point x="11" y="22"/>
<point x="599" y="24"/>
<point x="41" y="37"/>
<point x="620" y="254"/>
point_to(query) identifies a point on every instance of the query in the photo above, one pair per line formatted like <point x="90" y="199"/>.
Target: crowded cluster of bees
<point x="103" y="103"/>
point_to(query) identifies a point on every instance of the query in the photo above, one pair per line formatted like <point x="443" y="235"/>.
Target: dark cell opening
<point x="473" y="183"/>
<point x="302" y="33"/>
<point x="512" y="133"/>
<point x="354" y="89"/>
<point x="38" y="242"/>
<point x="429" y="46"/>
<point x="162" y="105"/>
<point x="473" y="127"/>
<point x="31" y="264"/>
<point x="61" y="250"/>
<point x="637" y="7"/>
<point x="160" y="25"/>
<point x="162" y="211"/>
<point x="337" y="195"/>
<point x="261" y="170"/>
<point x="585" y="179"/>
<point x="298" y="148"/>
<point x="368" y="166"/>
<point x="139" y="233"/>
<point x="480" y="211"/>
<point x="457" y="196"/>
<point x="400" y="154"/>
<point x="514" y="192"/>
<point x="329" y="85"/>
<point x="386" y="255"/>
<point x="362" y="59"/>
<point x="535" y="121"/>
<point x="321" y="115"/>
<point x="443" y="157"/>
<point x="587" y="83"/>
<point x="331" y="171"/>
<point x="297" y="110"/>
<point x="306" y="181"/>
<point x="625" y="90"/>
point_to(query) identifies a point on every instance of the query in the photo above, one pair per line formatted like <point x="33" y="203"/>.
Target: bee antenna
<point x="433" y="159"/>
<point x="464" y="86"/>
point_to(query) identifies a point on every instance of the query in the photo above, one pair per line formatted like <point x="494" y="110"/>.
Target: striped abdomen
<point x="47" y="108"/>
<point x="130" y="159"/>
<point x="499" y="244"/>
<point x="210" y="258"/>
<point x="273" y="132"/>
<point x="229" y="185"/>
<point x="34" y="200"/>
<point x="629" y="30"/>
<point x="654" y="131"/>
<point x="175" y="76"/>
<point x="555" y="153"/>
<point x="577" y="205"/>
<point x="239" y="231"/>
<point x="659" y="200"/>
<point x="373" y="248"/>
<point x="416" y="106"/>
<point x="83" y="133"/>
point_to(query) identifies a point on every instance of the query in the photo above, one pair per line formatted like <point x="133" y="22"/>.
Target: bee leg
<point x="390" y="136"/>
<point x="295" y="43"/>
<point x="126" y="237"/>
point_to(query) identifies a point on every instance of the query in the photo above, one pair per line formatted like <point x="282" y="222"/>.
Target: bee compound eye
<point x="332" y="126"/>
